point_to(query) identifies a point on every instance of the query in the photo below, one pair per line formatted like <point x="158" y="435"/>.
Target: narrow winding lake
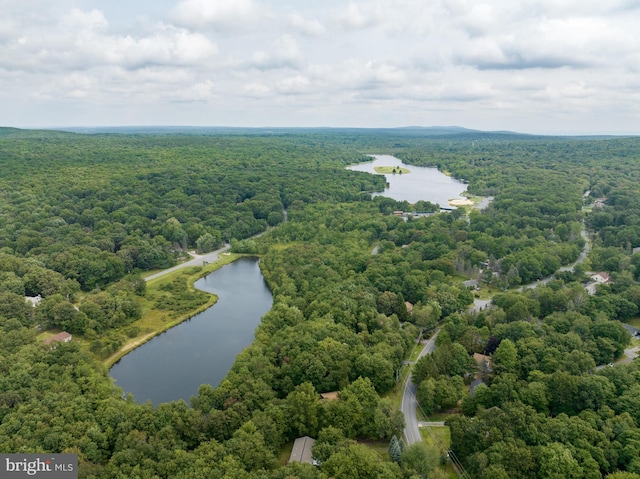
<point x="202" y="350"/>
<point x="173" y="365"/>
<point x="427" y="184"/>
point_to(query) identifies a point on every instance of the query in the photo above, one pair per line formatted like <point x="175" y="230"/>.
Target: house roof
<point x="603" y="275"/>
<point x="301" y="451"/>
<point x="330" y="396"/>
<point x="470" y="282"/>
<point x="481" y="358"/>
<point x="58" y="338"/>
<point x="34" y="300"/>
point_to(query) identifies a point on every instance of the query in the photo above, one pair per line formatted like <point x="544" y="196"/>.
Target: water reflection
<point x="428" y="184"/>
<point x="202" y="350"/>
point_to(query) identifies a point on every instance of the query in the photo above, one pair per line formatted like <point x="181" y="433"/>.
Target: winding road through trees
<point x="409" y="402"/>
<point x="196" y="261"/>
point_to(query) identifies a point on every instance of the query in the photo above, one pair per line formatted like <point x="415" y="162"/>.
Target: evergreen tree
<point x="395" y="451"/>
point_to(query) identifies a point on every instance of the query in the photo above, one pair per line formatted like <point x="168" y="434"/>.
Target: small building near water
<point x="62" y="337"/>
<point x="301" y="451"/>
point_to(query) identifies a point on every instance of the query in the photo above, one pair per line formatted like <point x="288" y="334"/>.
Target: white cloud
<point x="545" y="35"/>
<point x="169" y="46"/>
<point x="82" y="40"/>
<point x="351" y="61"/>
<point x="304" y="26"/>
<point x="295" y="85"/>
<point x="198" y="92"/>
<point x="358" y="16"/>
<point x="79" y="21"/>
<point x="225" y="15"/>
<point x="285" y="53"/>
<point x="256" y="90"/>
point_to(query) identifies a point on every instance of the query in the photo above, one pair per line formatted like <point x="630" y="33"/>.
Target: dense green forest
<point x="84" y="216"/>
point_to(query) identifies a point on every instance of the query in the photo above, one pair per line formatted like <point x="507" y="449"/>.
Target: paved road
<point x="629" y="355"/>
<point x="583" y="253"/>
<point x="633" y="330"/>
<point x="581" y="258"/>
<point x="196" y="261"/>
<point x="409" y="402"/>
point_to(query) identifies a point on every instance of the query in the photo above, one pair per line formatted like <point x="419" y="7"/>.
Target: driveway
<point x="479" y="305"/>
<point x="633" y="330"/>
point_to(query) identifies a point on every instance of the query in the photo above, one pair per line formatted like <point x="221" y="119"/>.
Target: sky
<point x="543" y="66"/>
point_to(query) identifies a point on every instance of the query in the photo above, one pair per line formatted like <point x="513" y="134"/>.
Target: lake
<point x="201" y="350"/>
<point x="428" y="184"/>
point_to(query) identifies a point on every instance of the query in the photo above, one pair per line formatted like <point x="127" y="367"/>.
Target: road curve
<point x="197" y="260"/>
<point x="409" y="404"/>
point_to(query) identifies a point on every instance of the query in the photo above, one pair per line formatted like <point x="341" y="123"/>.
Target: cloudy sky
<point x="537" y="66"/>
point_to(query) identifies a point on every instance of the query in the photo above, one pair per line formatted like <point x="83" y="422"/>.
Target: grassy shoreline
<point x="154" y="321"/>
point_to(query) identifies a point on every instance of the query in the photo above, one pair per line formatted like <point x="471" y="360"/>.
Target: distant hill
<point x="431" y="131"/>
<point x="5" y="131"/>
<point x="439" y="129"/>
<point x="434" y="132"/>
<point x="19" y="132"/>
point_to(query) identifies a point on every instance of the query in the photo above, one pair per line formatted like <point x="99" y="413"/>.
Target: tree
<point x="378" y="368"/>
<point x="389" y="420"/>
<point x="394" y="450"/>
<point x="302" y="410"/>
<point x="424" y="368"/>
<point x="448" y="391"/>
<point x="623" y="475"/>
<point x="206" y="243"/>
<point x="361" y="394"/>
<point x="420" y="459"/>
<point x="426" y="395"/>
<point x="536" y="395"/>
<point x="330" y="440"/>
<point x="557" y="462"/>
<point x="578" y="362"/>
<point x="426" y="316"/>
<point x="173" y="232"/>
<point x="358" y="462"/>
<point x="505" y="357"/>
<point x="14" y="306"/>
<point x="11" y="283"/>
<point x="249" y="446"/>
<point x="453" y="360"/>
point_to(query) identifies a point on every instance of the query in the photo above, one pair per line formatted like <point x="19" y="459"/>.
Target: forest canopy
<point x="85" y="216"/>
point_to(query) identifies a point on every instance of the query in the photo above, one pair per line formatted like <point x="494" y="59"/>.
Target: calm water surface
<point x="202" y="350"/>
<point x="422" y="183"/>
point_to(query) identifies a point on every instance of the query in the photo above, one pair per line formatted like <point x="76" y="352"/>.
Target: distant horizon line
<point x="434" y="128"/>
